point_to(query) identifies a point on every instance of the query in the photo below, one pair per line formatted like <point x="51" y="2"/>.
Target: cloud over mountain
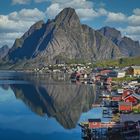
<point x="16" y="23"/>
<point x="90" y="12"/>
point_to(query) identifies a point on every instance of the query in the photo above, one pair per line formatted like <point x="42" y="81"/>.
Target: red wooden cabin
<point x="105" y="72"/>
<point x="133" y="98"/>
<point x="125" y="106"/>
<point x="127" y="92"/>
<point x="94" y="123"/>
<point x="116" y="98"/>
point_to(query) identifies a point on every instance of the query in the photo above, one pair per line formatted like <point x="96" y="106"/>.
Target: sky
<point x="16" y="16"/>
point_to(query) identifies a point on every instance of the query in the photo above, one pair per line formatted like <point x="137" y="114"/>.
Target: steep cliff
<point x="62" y="39"/>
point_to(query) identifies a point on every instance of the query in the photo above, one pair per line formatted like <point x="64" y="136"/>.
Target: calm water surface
<point x="44" y="107"/>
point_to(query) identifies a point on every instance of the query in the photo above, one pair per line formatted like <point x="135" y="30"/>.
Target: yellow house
<point x="134" y="70"/>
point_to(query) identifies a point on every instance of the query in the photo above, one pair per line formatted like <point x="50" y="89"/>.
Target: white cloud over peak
<point x="83" y="13"/>
<point x="53" y="10"/>
<point x="83" y="8"/>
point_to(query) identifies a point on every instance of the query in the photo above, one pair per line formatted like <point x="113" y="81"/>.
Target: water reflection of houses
<point x="64" y="102"/>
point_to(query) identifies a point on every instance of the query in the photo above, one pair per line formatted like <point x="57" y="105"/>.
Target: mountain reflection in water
<point x="58" y="99"/>
<point x="63" y="102"/>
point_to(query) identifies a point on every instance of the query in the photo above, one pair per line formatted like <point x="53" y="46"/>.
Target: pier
<point x="94" y="129"/>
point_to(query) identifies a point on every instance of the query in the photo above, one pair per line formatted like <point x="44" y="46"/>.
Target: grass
<point x="124" y="79"/>
<point x="122" y="62"/>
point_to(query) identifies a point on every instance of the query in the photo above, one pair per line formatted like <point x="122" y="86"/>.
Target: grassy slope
<point x="122" y="62"/>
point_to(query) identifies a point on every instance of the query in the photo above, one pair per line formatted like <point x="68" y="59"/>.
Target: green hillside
<point x="122" y="62"/>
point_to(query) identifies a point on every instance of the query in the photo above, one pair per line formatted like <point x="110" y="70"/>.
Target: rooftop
<point x="94" y="120"/>
<point x="125" y="103"/>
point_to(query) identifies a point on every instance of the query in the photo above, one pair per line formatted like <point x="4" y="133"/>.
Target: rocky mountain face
<point x="3" y="51"/>
<point x="62" y="39"/>
<point x="126" y="45"/>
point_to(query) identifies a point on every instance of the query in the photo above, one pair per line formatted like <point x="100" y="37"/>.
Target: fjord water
<point x="43" y="107"/>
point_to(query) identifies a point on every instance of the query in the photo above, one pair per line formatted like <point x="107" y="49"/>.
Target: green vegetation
<point x="136" y="109"/>
<point x="122" y="62"/>
<point x="124" y="79"/>
<point x="34" y="63"/>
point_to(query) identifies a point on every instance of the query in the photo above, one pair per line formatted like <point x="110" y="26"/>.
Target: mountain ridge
<point x="126" y="45"/>
<point x="61" y="39"/>
<point x="65" y="38"/>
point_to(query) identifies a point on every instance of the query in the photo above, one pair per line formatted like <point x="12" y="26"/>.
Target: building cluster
<point x="120" y="105"/>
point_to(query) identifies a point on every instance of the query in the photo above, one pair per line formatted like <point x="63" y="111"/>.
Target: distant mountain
<point x="61" y="39"/>
<point x="127" y="46"/>
<point x="4" y="51"/>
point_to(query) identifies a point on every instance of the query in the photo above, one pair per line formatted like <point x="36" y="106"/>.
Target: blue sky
<point x="16" y="16"/>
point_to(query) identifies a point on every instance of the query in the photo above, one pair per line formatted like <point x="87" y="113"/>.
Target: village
<point x="120" y="103"/>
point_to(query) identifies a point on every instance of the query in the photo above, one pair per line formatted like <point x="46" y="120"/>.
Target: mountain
<point x="4" y="51"/>
<point x="61" y="39"/>
<point x="127" y="46"/>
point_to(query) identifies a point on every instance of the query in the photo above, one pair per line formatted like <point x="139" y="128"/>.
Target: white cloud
<point x="27" y="15"/>
<point x="134" y="19"/>
<point x="20" y="1"/>
<point x="17" y="23"/>
<point x="102" y="12"/>
<point x="8" y="38"/>
<point x="131" y="30"/>
<point x="31" y="14"/>
<point x="116" y="17"/>
<point x="86" y="13"/>
<point x="136" y="11"/>
<point x="53" y="10"/>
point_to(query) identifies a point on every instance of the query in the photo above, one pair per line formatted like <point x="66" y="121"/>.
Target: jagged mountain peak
<point x="67" y="16"/>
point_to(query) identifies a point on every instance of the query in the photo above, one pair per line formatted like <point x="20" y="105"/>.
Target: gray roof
<point x="129" y="117"/>
<point x="135" y="67"/>
<point x="136" y="96"/>
<point x="125" y="103"/>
